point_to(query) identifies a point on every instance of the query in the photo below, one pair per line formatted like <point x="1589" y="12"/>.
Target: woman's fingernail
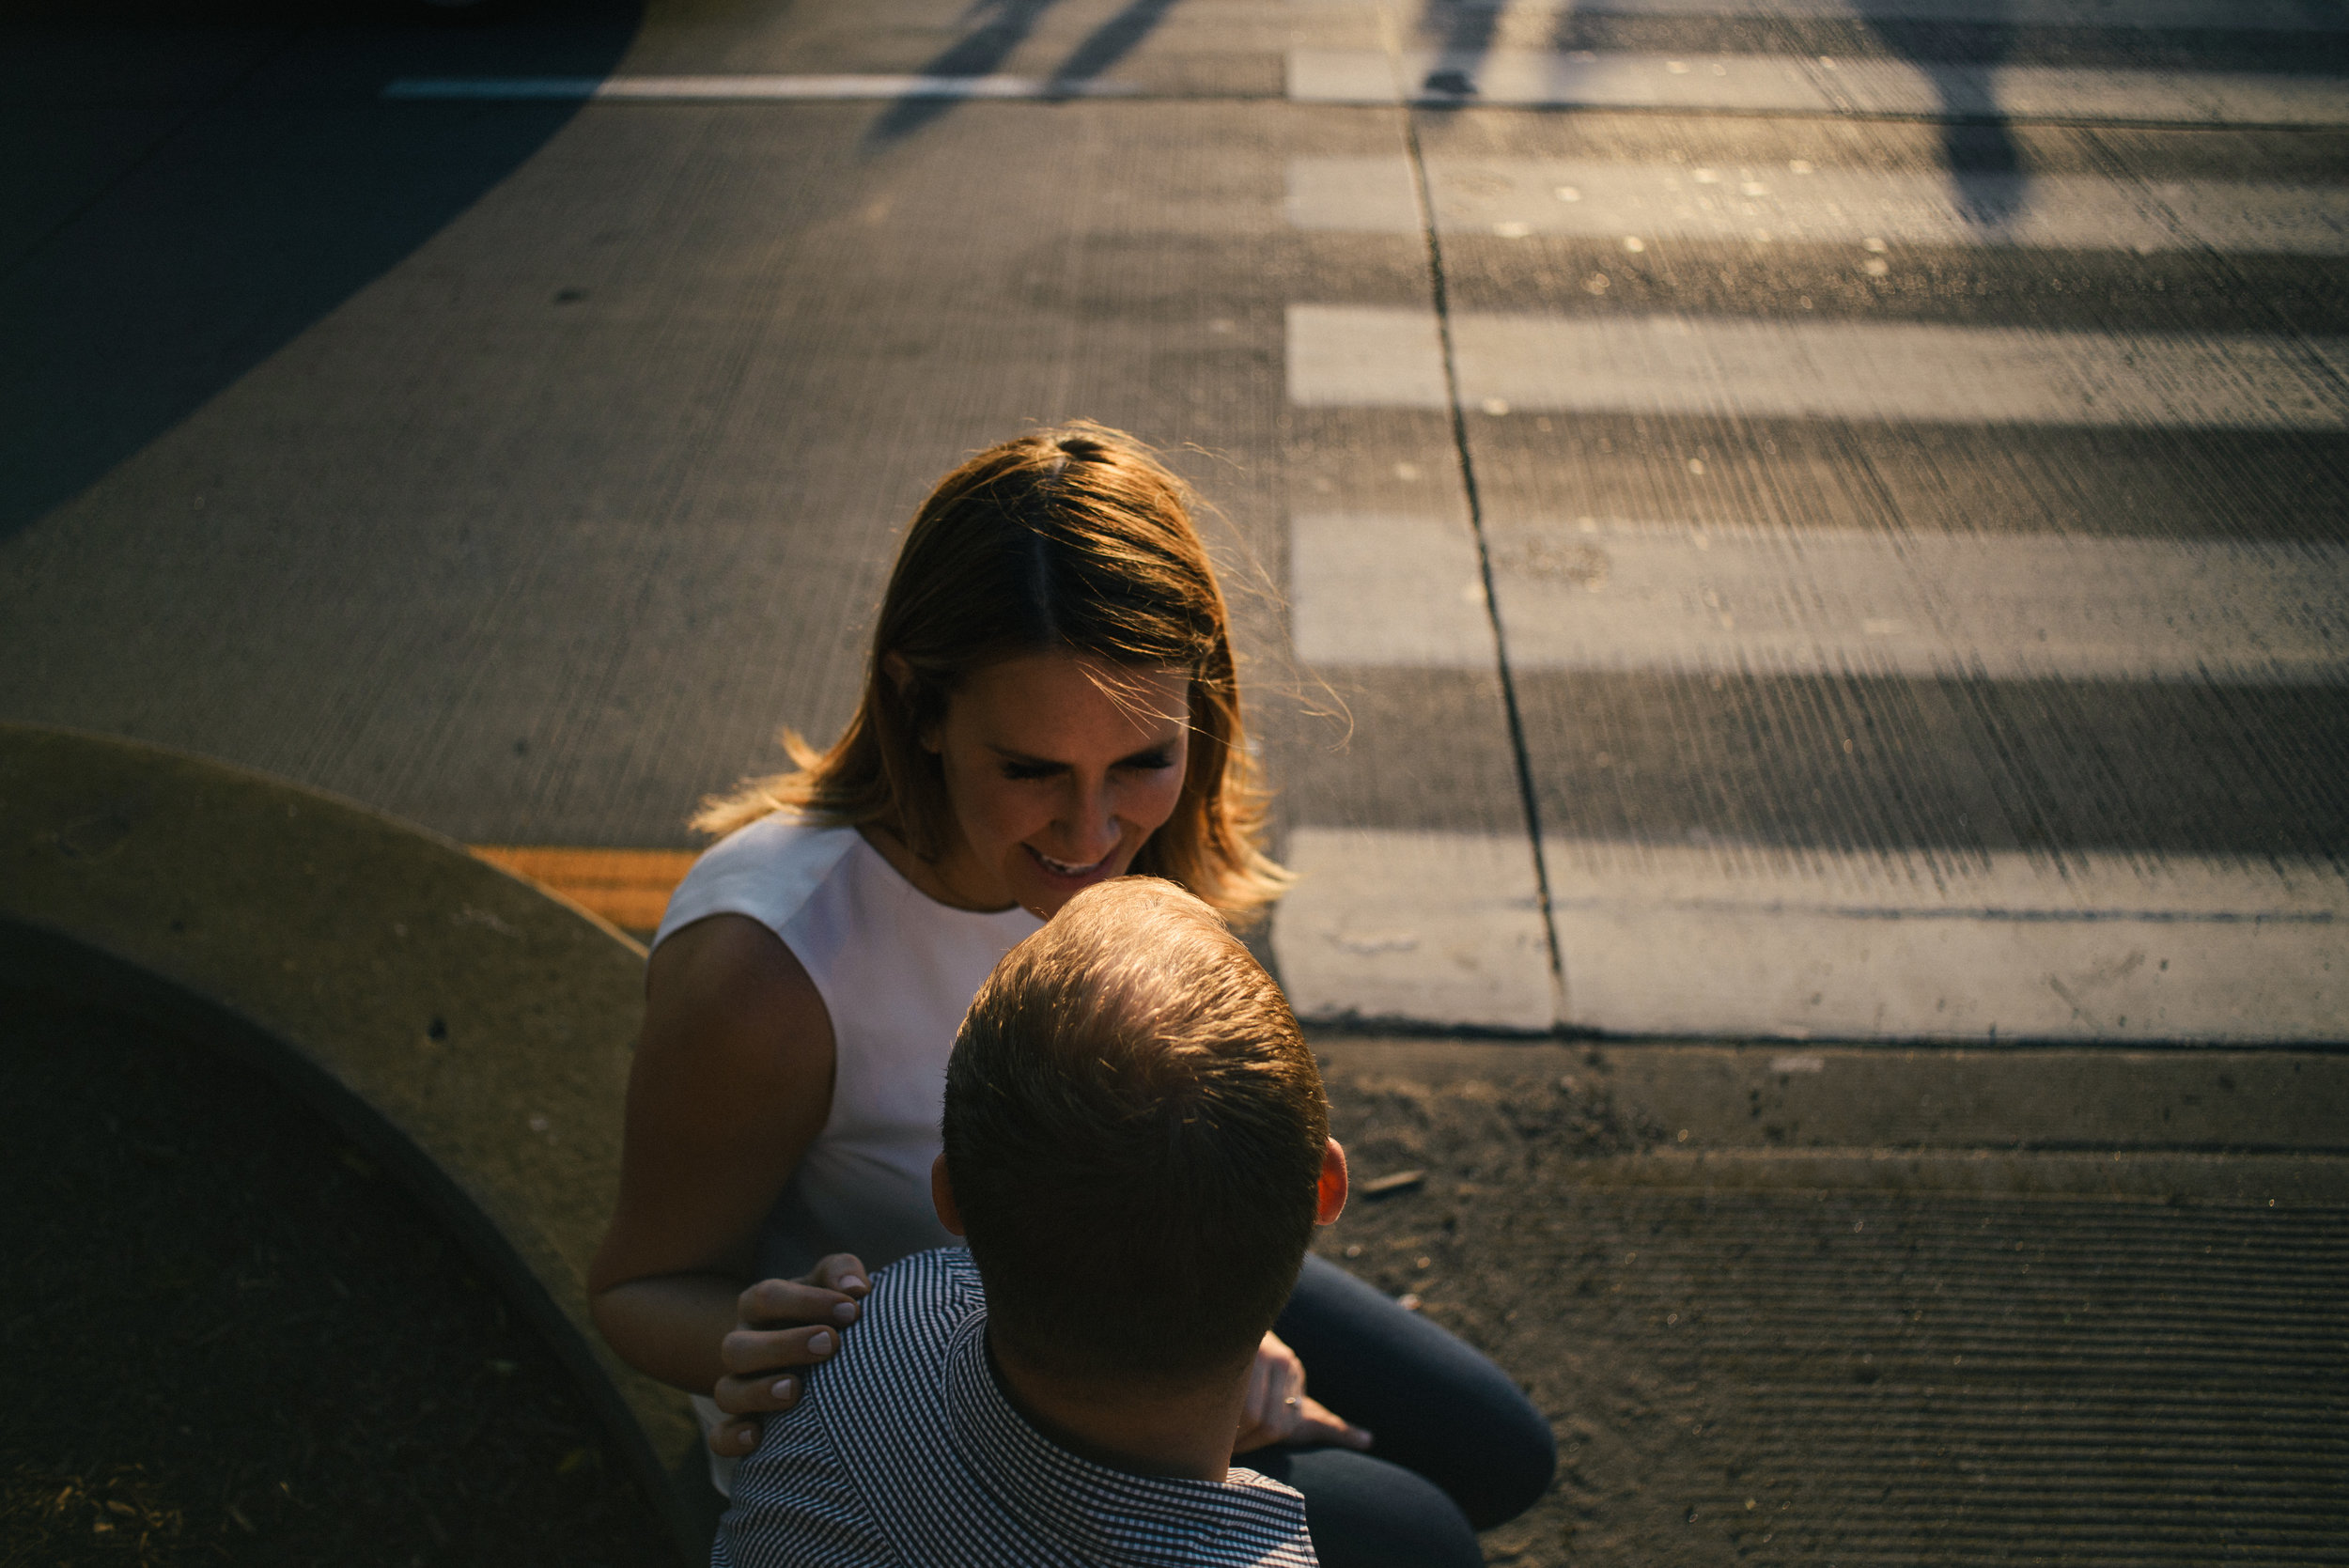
<point x="845" y="1311"/>
<point x="783" y="1387"/>
<point x="819" y="1343"/>
<point x="851" y="1283"/>
<point x="747" y="1441"/>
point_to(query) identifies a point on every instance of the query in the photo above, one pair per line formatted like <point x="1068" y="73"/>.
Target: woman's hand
<point x="1278" y="1411"/>
<point x="782" y="1324"/>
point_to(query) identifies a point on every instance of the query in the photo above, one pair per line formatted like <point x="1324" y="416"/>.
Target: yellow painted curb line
<point x="628" y="886"/>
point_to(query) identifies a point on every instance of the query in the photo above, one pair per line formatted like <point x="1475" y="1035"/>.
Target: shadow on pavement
<point x="1978" y="147"/>
<point x="226" y="1318"/>
<point x="194" y="185"/>
<point x="1464" y="35"/>
<point x="1003" y="27"/>
<point x="1978" y="150"/>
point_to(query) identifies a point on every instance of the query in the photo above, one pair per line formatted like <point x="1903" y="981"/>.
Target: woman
<point x="1052" y="701"/>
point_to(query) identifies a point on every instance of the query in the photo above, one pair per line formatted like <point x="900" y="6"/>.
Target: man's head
<point x="1136" y="1141"/>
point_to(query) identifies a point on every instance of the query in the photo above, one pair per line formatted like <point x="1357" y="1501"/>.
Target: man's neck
<point x="1184" y="1431"/>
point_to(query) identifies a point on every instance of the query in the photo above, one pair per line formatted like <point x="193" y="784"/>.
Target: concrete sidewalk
<point x="1820" y="1306"/>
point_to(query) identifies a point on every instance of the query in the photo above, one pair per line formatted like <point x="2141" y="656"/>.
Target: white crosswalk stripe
<point x="1761" y="939"/>
<point x="1590" y="594"/>
<point x="1387" y="923"/>
<point x="1744" y="940"/>
<point x="1805" y="205"/>
<point x="1382" y="589"/>
<point x="739" y="89"/>
<point x="2311" y="16"/>
<point x="1371" y="356"/>
<point x="1774" y="84"/>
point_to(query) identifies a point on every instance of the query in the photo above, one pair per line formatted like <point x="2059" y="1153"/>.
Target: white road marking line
<point x="1408" y="587"/>
<point x="1915" y="945"/>
<point x="1815" y="601"/>
<point x="1355" y="196"/>
<point x="2215" y="15"/>
<point x="1428" y="927"/>
<point x="1772" y="84"/>
<point x="1771" y="203"/>
<point x="1375" y="356"/>
<point x="1762" y="941"/>
<point x="736" y="89"/>
<point x="1364" y="356"/>
<point x="1612" y="596"/>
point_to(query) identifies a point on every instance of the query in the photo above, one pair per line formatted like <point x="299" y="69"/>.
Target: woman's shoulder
<point x="768" y="870"/>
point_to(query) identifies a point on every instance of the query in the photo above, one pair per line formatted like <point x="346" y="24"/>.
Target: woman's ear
<point x="1329" y="1192"/>
<point x="901" y="675"/>
<point x="943" y="1197"/>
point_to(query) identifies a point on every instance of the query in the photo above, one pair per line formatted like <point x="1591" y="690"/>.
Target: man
<point x="1136" y="1150"/>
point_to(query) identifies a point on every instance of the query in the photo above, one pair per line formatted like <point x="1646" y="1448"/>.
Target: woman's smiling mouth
<point x="1063" y="868"/>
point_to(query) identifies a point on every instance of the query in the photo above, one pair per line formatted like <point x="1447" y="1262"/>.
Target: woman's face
<point x="1057" y="767"/>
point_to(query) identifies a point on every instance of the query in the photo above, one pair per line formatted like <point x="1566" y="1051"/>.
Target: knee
<point x="1515" y="1459"/>
<point x="1364" y="1513"/>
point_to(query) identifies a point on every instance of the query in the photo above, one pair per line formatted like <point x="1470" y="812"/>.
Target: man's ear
<point x="1330" y="1196"/>
<point x="943" y="1196"/>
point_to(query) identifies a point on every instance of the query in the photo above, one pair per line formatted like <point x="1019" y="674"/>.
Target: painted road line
<point x="1732" y="367"/>
<point x="1425" y="927"/>
<point x="739" y="89"/>
<point x="1399" y="590"/>
<point x="1801" y="204"/>
<point x="1802" y="84"/>
<point x="1615" y="597"/>
<point x="2294" y="16"/>
<point x="1346" y="356"/>
<point x="1933" y="945"/>
<point x="628" y="886"/>
<point x="1362" y="196"/>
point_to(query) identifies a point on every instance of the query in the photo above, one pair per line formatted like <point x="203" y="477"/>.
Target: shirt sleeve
<point x="795" y="1506"/>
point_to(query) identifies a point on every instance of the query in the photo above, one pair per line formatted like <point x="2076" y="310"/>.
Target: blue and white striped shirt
<point x="904" y="1453"/>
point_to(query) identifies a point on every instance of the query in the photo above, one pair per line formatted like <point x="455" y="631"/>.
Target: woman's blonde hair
<point x="1073" y="540"/>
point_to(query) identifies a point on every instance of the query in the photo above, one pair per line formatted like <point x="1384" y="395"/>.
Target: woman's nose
<point x="1091" y="821"/>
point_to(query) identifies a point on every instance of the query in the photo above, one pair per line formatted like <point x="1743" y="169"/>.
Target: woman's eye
<point x="1150" y="762"/>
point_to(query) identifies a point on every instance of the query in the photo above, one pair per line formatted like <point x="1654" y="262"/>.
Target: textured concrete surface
<point x="1810" y="1306"/>
<point x="520" y="464"/>
<point x="460" y="1024"/>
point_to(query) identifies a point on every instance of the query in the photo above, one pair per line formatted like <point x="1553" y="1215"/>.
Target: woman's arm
<point x="731" y="1083"/>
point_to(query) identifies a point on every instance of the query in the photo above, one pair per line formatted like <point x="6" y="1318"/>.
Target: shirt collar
<point x="1099" y="1513"/>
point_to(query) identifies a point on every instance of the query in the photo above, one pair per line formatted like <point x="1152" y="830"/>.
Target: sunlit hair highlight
<point x="1076" y="541"/>
<point x="1134" y="1130"/>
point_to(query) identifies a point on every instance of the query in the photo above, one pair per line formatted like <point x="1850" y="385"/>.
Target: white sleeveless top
<point x="897" y="971"/>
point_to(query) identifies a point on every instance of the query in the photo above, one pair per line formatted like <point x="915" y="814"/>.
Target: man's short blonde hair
<point x="1134" y="1129"/>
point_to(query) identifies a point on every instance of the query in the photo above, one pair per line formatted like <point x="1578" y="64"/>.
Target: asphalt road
<point x="1827" y="517"/>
